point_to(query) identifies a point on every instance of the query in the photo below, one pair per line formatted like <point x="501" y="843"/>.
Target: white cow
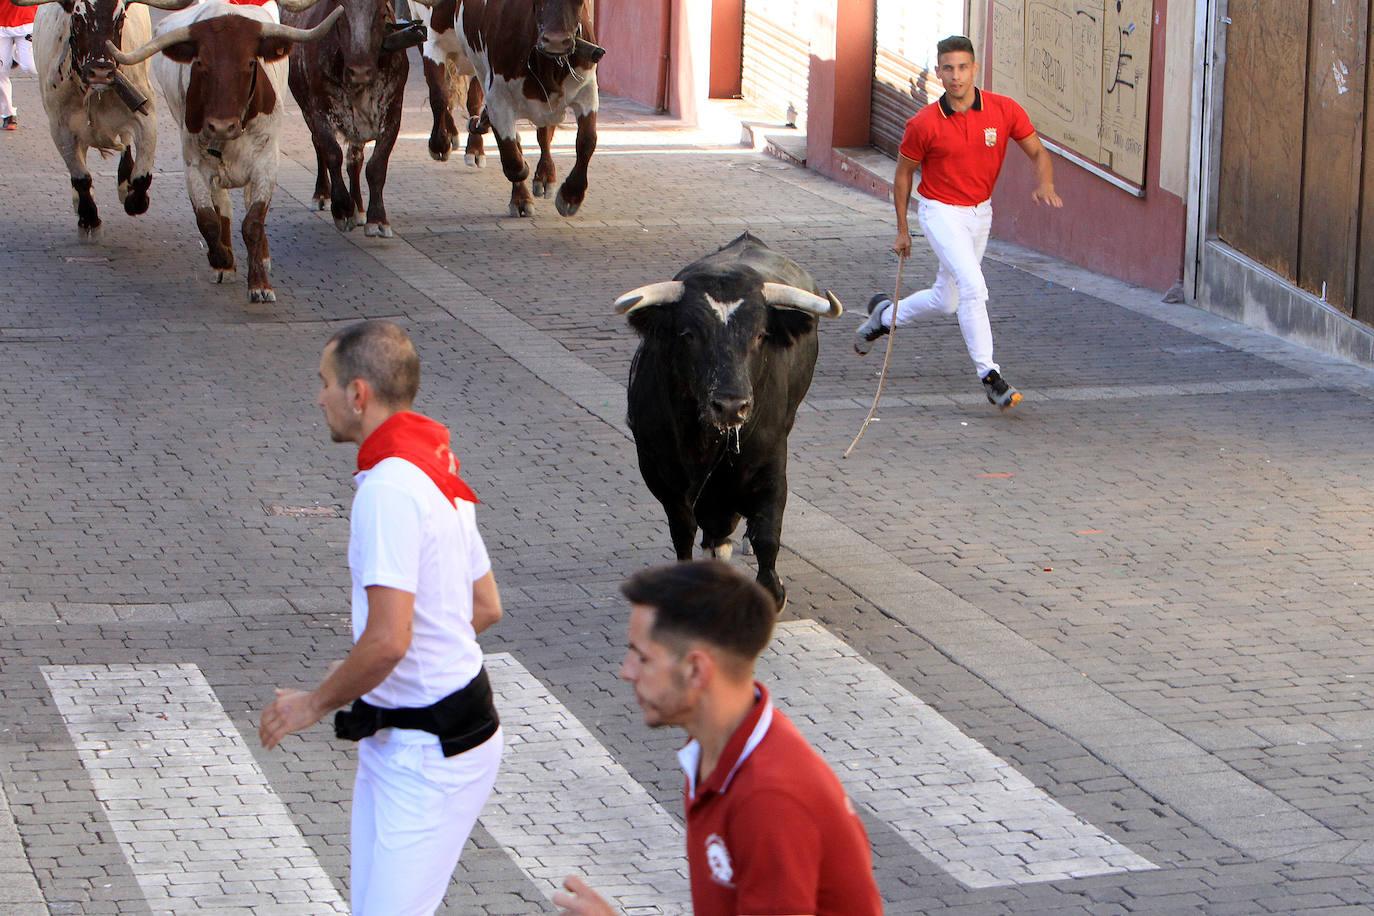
<point x="222" y="71"/>
<point x="90" y="102"/>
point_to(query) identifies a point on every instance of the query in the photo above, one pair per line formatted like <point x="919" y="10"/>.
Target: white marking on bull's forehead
<point x="723" y="310"/>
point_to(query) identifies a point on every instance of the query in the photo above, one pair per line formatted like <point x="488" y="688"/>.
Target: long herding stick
<point x="882" y="377"/>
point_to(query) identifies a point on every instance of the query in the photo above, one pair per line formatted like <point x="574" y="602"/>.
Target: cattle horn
<point x="297" y="6"/>
<point x="273" y="30"/>
<point x="165" y="4"/>
<point x="780" y="295"/>
<point x="645" y="296"/>
<point x="148" y="49"/>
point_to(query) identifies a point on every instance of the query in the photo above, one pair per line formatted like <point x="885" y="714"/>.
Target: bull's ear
<point x="183" y="52"/>
<point x="786" y="325"/>
<point x="264" y="96"/>
<point x="270" y="49"/>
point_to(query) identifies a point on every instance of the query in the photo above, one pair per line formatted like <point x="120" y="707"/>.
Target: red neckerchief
<point x="424" y="443"/>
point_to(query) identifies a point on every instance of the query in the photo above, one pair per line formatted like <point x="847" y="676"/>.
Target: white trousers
<point x="958" y="236"/>
<point x="413" y="809"/>
<point x="14" y="46"/>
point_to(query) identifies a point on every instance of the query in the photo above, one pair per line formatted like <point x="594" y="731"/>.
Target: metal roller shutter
<point x="777" y="58"/>
<point x="905" y="34"/>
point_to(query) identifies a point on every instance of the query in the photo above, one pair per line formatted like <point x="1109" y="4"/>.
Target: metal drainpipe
<point x="666" y="38"/>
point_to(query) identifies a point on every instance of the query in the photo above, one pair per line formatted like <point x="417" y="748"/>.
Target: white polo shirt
<point x="404" y="534"/>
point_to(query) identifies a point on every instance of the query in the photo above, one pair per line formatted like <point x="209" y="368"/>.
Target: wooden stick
<point x="882" y="377"/>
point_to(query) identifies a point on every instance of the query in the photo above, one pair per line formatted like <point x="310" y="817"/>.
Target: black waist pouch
<point x="462" y="720"/>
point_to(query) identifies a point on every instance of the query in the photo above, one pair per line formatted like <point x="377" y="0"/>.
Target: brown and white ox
<point x="348" y="85"/>
<point x="222" y="71"/>
<point x="449" y="75"/>
<point x="528" y="61"/>
<point x="77" y="86"/>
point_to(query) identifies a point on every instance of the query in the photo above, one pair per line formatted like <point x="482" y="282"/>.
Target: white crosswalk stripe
<point x="952" y="799"/>
<point x="563" y="804"/>
<point x="193" y="812"/>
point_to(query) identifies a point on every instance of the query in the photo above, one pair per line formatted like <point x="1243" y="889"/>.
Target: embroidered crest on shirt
<point x="718" y="857"/>
<point x="990" y="136"/>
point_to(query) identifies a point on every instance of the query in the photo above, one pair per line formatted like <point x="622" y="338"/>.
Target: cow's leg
<point x="214" y="229"/>
<point x="322" y="196"/>
<point x="134" y="194"/>
<point x="475" y="153"/>
<point x="544" y="173"/>
<point x="259" y="260"/>
<point x="682" y="528"/>
<point x="516" y="170"/>
<point x="377" y="225"/>
<point x="574" y="189"/>
<point x="444" y="131"/>
<point x="87" y="214"/>
<point x="764" y="530"/>
<point x="355" y="175"/>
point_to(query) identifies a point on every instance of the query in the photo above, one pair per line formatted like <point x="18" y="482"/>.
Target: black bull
<point x="727" y="352"/>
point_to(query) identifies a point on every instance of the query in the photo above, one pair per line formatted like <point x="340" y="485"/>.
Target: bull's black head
<point x="361" y="40"/>
<point x="719" y="333"/>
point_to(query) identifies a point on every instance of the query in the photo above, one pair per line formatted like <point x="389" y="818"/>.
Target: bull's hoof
<point x="347" y="224"/>
<point x="320" y="202"/>
<point x="439" y="148"/>
<point x="378" y="230"/>
<point x="522" y="208"/>
<point x="122" y="191"/>
<point x="266" y="294"/>
<point x="135" y="195"/>
<point x="476" y="162"/>
<point x="566" y="207"/>
<point x="88" y="232"/>
<point x="541" y="188"/>
<point x="223" y="274"/>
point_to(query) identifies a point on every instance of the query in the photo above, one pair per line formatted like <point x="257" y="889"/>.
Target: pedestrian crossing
<point x="202" y="829"/>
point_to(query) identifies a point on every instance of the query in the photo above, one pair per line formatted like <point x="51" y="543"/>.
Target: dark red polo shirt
<point x="771" y="831"/>
<point x="961" y="152"/>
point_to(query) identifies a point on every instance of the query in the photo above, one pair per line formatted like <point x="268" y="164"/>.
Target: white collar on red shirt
<point x="689" y="758"/>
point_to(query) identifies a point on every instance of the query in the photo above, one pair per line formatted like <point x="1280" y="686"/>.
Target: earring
<point x="358" y="411"/>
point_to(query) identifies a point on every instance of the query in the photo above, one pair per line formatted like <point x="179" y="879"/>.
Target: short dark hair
<point x="954" y="43"/>
<point x="705" y="600"/>
<point x="381" y="354"/>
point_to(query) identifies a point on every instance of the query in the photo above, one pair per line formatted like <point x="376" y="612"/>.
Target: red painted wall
<point x="1101" y="227"/>
<point x="727" y="43"/>
<point x="631" y="31"/>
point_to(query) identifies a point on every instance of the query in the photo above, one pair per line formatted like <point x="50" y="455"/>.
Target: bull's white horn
<point x="297" y="6"/>
<point x="148" y="49"/>
<point x="783" y="296"/>
<point x="645" y="296"/>
<point x="165" y="4"/>
<point x="273" y="30"/>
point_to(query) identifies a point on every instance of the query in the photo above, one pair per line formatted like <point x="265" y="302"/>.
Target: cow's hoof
<point x="88" y="232"/>
<point x="437" y="152"/>
<point x="345" y="225"/>
<point x="378" y="230"/>
<point x="523" y="208"/>
<point x="224" y="274"/>
<point x="565" y="206"/>
<point x="477" y="162"/>
<point x="262" y="295"/>
<point x="122" y="191"/>
<point x="540" y="188"/>
<point x="320" y="202"/>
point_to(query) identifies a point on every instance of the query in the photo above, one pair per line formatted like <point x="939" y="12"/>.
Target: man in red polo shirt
<point x="770" y="831"/>
<point x="959" y="143"/>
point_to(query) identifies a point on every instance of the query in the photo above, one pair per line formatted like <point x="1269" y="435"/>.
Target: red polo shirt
<point x="961" y="152"/>
<point x="771" y="831"/>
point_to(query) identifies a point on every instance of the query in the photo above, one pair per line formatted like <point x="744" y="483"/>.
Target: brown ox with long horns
<point x="350" y="84"/>
<point x="222" y="70"/>
<point x="91" y="102"/>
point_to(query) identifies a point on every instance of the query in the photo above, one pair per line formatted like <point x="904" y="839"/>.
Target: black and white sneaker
<point x="872" y="328"/>
<point x="999" y="393"/>
<point x="10" y="123"/>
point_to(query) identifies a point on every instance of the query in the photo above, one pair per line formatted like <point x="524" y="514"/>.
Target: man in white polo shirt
<point x="429" y="738"/>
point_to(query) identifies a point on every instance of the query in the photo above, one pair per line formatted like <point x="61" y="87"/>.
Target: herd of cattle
<point x="728" y="346"/>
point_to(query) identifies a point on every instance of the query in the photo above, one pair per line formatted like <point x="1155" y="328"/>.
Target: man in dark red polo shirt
<point x="959" y="143"/>
<point x="770" y="831"/>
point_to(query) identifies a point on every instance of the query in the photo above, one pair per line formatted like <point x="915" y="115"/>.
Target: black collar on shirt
<point x="948" y="111"/>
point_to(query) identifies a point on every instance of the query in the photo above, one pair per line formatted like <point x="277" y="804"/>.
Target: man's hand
<point x="290" y="712"/>
<point x="902" y="245"/>
<point x="1046" y="196"/>
<point x="577" y="899"/>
